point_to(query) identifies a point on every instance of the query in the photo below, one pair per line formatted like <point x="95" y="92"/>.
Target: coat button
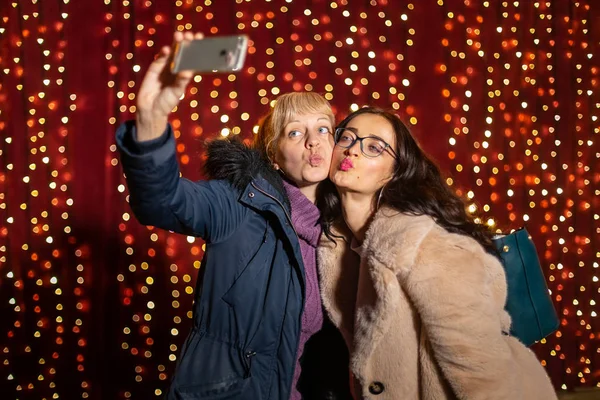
<point x="506" y="248"/>
<point x="251" y="194"/>
<point x="376" y="388"/>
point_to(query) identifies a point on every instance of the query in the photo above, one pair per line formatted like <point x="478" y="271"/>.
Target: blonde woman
<point x="257" y="299"/>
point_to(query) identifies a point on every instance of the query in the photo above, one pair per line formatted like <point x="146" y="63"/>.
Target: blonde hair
<point x="286" y="107"/>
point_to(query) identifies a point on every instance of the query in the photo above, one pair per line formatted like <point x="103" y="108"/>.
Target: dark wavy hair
<point x="416" y="188"/>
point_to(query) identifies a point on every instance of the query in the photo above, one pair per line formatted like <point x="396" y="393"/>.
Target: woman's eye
<point x="294" y="134"/>
<point x="324" y="129"/>
<point x="376" y="148"/>
<point x="345" y="138"/>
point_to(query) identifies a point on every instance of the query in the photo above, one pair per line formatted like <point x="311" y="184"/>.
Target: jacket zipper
<point x="278" y="202"/>
<point x="290" y="388"/>
<point x="248" y="363"/>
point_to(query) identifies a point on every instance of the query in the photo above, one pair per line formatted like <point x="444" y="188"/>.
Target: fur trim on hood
<point x="233" y="161"/>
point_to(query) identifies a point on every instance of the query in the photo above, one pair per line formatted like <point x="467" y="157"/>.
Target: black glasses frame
<point x="387" y="147"/>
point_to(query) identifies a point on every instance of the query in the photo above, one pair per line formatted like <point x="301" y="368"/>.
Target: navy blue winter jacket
<point x="250" y="289"/>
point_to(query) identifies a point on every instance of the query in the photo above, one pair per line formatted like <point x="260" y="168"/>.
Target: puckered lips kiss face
<point x="346" y="164"/>
<point x="315" y="160"/>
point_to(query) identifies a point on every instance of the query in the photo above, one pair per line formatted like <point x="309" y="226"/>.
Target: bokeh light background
<point x="503" y="94"/>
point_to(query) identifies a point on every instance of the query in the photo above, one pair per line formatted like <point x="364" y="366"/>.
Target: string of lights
<point x="521" y="118"/>
<point x="503" y="93"/>
<point x="43" y="271"/>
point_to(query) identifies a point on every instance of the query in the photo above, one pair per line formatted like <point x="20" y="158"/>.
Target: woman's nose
<point x="312" y="140"/>
<point x="354" y="149"/>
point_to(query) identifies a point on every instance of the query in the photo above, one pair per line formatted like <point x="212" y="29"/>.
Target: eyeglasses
<point x="370" y="146"/>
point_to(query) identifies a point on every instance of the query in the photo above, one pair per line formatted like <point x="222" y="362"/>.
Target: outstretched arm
<point x="161" y="198"/>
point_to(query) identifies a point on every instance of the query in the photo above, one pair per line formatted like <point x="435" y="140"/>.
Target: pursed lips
<point x="315" y="160"/>
<point x="346" y="164"/>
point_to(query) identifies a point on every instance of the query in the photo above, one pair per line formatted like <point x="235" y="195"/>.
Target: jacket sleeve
<point x="452" y="292"/>
<point x="160" y="197"/>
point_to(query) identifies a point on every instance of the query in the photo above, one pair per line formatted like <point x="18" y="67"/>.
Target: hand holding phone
<point x="214" y="54"/>
<point x="161" y="91"/>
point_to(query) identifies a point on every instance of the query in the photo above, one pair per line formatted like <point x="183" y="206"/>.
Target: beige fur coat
<point x="423" y="314"/>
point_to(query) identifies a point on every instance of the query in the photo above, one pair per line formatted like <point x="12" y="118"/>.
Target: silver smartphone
<point x="212" y="54"/>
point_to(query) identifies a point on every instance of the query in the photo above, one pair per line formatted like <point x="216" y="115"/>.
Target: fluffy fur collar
<point x="391" y="243"/>
<point x="423" y="312"/>
<point x="233" y="161"/>
<point x="395" y="245"/>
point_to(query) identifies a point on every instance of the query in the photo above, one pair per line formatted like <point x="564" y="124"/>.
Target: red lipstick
<point x="346" y="164"/>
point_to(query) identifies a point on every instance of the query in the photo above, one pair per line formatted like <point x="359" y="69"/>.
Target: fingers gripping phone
<point x="213" y="54"/>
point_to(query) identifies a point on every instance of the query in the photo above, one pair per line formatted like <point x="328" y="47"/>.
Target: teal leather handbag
<point x="528" y="303"/>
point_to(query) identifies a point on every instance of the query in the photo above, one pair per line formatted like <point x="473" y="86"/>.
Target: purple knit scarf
<point x="305" y="218"/>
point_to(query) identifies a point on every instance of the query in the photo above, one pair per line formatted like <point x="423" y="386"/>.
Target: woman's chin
<point x="341" y="180"/>
<point x="341" y="176"/>
<point x="315" y="176"/>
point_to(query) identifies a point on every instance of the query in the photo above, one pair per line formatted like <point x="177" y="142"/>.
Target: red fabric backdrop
<point x="504" y="95"/>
